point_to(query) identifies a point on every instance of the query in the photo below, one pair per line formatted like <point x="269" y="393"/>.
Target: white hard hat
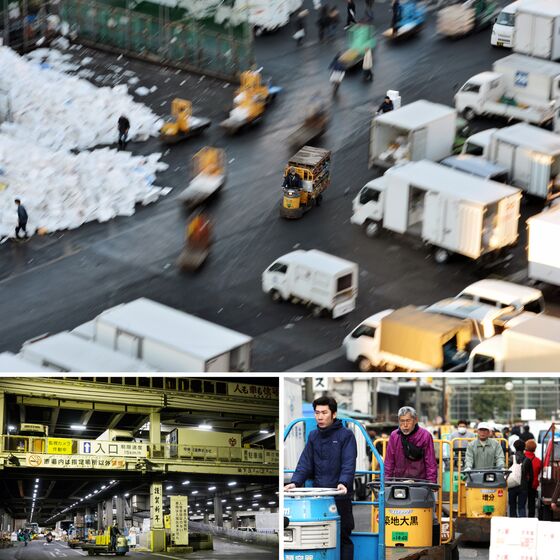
<point x="484" y="426"/>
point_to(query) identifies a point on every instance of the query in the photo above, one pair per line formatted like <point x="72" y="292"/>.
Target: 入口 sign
<point x="113" y="448"/>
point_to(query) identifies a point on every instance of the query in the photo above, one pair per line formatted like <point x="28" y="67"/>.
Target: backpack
<point x="514" y="478"/>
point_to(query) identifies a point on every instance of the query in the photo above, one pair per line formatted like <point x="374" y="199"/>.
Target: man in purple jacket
<point x="410" y="452"/>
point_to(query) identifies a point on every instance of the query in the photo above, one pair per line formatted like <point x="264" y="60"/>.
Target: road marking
<point x="164" y="555"/>
<point x="318" y="361"/>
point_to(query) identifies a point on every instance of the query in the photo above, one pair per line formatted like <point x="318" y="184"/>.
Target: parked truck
<point x="531" y="345"/>
<point x="419" y="130"/>
<point x="13" y="363"/>
<point x="537" y="29"/>
<point x="409" y="339"/>
<point x="171" y="340"/>
<point x="451" y="211"/>
<point x="543" y="253"/>
<point x="530" y="155"/>
<point x="326" y="283"/>
<point x="518" y="87"/>
<point x="67" y="352"/>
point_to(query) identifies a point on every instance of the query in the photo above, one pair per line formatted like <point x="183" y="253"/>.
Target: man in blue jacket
<point x="329" y="459"/>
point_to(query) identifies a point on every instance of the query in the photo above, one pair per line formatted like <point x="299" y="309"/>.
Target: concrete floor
<point x="39" y="550"/>
<point x="58" y="282"/>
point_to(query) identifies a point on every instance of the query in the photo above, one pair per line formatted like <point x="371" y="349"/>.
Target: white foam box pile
<point x="62" y="112"/>
<point x="61" y="190"/>
<point x="454" y="20"/>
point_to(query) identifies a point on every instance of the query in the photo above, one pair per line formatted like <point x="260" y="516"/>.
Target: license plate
<point x="500" y="43"/>
<point x="343" y="308"/>
<point x="288" y="536"/>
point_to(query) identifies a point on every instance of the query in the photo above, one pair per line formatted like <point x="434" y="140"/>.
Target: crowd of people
<point x="330" y="455"/>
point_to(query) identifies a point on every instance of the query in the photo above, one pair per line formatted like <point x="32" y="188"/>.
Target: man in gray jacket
<point x="484" y="452"/>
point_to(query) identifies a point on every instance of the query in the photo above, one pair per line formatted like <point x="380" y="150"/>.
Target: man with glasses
<point x="329" y="459"/>
<point x="410" y="452"/>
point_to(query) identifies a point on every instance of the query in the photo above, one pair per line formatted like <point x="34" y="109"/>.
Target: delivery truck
<point x="478" y="166"/>
<point x="537" y="29"/>
<point x="451" y="211"/>
<point x="170" y="340"/>
<point x="532" y="157"/>
<point x="409" y="339"/>
<point x="532" y="345"/>
<point x="518" y="87"/>
<point x="328" y="284"/>
<point x="419" y="130"/>
<point x="543" y="253"/>
<point x="503" y="29"/>
<point x="67" y="352"/>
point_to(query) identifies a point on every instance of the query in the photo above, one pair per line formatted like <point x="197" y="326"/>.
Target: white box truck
<point x="532" y="157"/>
<point x="67" y="352"/>
<point x="450" y="210"/>
<point x="531" y="346"/>
<point x="543" y="253"/>
<point x="419" y="130"/>
<point x="518" y="87"/>
<point x="409" y="339"/>
<point x="537" y="29"/>
<point x="327" y="283"/>
<point x="503" y="29"/>
<point x="171" y="340"/>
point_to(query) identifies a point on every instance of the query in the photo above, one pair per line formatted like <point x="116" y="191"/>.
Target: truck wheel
<point x="372" y="229"/>
<point x="276" y="296"/>
<point x="364" y="364"/>
<point x="469" y="114"/>
<point x="441" y="256"/>
<point x="318" y="311"/>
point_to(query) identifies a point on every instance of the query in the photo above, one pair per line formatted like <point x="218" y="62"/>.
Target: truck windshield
<point x="506" y="19"/>
<point x="470" y="87"/>
<point x="344" y="283"/>
<point x="473" y="149"/>
<point x="482" y="363"/>
<point x="368" y="195"/>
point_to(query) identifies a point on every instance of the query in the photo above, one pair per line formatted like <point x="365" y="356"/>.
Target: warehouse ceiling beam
<point x="54" y="419"/>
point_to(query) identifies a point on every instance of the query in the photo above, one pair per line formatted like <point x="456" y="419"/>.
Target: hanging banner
<point x="180" y="520"/>
<point x="74" y="462"/>
<point x="113" y="448"/>
<point x="156" y="506"/>
<point x="59" y="446"/>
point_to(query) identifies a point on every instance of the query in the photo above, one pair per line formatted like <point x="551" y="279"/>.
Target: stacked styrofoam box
<point x="63" y="112"/>
<point x="455" y="20"/>
<point x="548" y="542"/>
<point x="513" y="538"/>
<point x="61" y="190"/>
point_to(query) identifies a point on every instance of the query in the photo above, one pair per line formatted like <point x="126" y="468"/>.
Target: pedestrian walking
<point x="333" y="21"/>
<point x="396" y="9"/>
<point x="367" y="65"/>
<point x="22" y="219"/>
<point x="369" y="10"/>
<point x="350" y="13"/>
<point x="530" y="448"/>
<point x="123" y="127"/>
<point x="338" y="72"/>
<point x="518" y="493"/>
<point x="386" y="106"/>
<point x="299" y="35"/>
<point x="323" y="21"/>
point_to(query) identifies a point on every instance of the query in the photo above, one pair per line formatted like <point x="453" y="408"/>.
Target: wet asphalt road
<point x="223" y="550"/>
<point x="60" y="281"/>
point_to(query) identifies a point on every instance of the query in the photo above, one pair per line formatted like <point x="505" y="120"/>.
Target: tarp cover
<point x="420" y="336"/>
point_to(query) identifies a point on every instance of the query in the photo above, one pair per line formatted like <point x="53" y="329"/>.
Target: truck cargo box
<point x="421" y="336"/>
<point x="171" y="340"/>
<point x="537" y="29"/>
<point x="543" y="253"/>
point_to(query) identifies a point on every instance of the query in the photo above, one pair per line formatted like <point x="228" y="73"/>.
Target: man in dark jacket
<point x="114" y="533"/>
<point x="124" y="127"/>
<point x="386" y="106"/>
<point x="22" y="219"/>
<point x="526" y="435"/>
<point x="292" y="180"/>
<point x="329" y="459"/>
<point x="395" y="19"/>
<point x="517" y="495"/>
